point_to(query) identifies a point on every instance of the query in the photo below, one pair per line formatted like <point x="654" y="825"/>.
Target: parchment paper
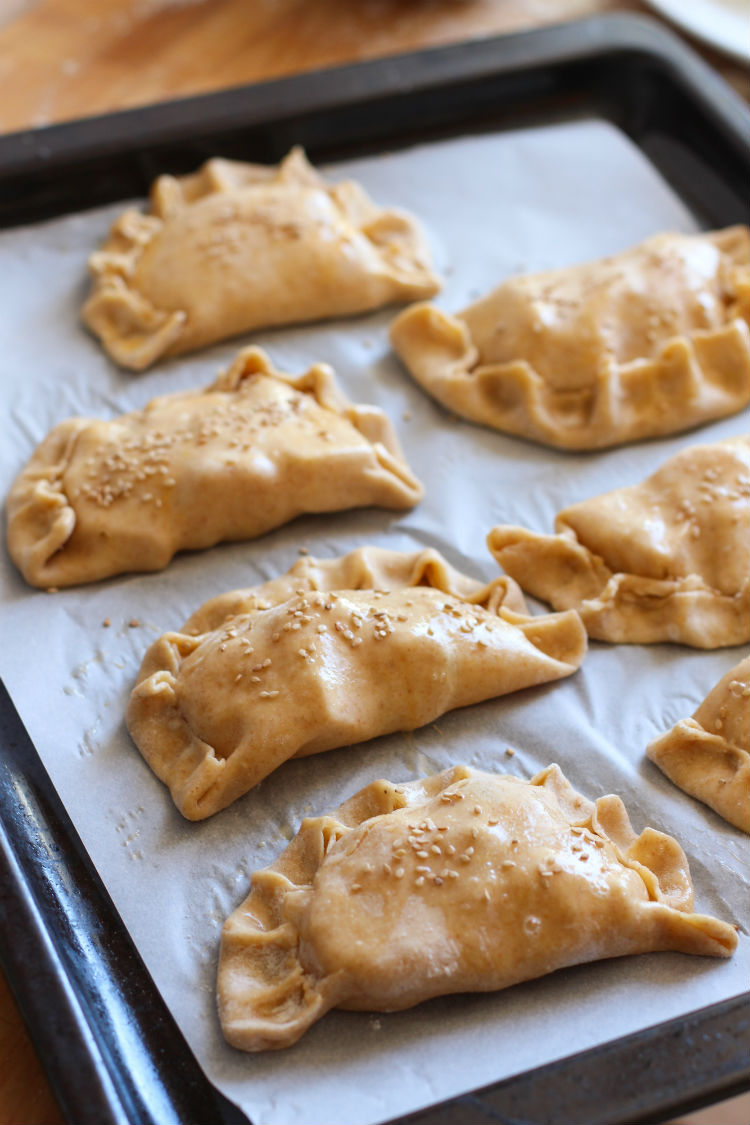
<point x="492" y="205"/>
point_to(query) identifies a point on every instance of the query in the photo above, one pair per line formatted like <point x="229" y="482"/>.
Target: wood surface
<point x="62" y="59"/>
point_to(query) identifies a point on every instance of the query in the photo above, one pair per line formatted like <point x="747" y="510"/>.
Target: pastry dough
<point x="665" y="560"/>
<point x="649" y="342"/>
<point x="461" y="882"/>
<point x="247" y="454"/>
<point x="366" y="568"/>
<point x="708" y="755"/>
<point x="340" y="661"/>
<point x="236" y="247"/>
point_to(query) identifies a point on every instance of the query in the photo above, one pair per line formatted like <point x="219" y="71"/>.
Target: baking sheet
<point x="492" y="205"/>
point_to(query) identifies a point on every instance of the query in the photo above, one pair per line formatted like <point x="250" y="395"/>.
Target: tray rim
<point x="37" y="152"/>
<point x="34" y="153"/>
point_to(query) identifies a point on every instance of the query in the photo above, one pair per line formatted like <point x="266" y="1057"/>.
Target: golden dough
<point x="708" y="755"/>
<point x="236" y="247"/>
<point x="665" y="560"/>
<point x="461" y="882"/>
<point x="651" y="341"/>
<point x="341" y="660"/>
<point x="249" y="453"/>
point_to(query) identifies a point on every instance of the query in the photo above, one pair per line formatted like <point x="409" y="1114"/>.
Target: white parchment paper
<point x="492" y="205"/>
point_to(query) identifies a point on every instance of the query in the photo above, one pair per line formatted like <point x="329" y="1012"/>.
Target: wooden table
<point x="62" y="59"/>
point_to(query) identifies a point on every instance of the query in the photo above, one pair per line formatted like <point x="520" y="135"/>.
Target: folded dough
<point x="192" y="469"/>
<point x="341" y="660"/>
<point x="651" y="341"/>
<point x="708" y="755"/>
<point x="665" y="560"/>
<point x="236" y="247"/>
<point x="460" y="882"/>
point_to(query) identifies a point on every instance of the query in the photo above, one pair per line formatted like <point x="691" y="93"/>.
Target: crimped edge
<point x="694" y="379"/>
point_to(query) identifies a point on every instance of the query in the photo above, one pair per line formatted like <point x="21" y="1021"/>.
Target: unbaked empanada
<point x="664" y="560"/>
<point x="339" y="661"/>
<point x="461" y="882"/>
<point x="651" y="341"/>
<point x="708" y="755"/>
<point x="195" y="468"/>
<point x="236" y="247"/>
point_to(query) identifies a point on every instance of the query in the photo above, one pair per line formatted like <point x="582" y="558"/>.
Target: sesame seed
<point x="419" y="881"/>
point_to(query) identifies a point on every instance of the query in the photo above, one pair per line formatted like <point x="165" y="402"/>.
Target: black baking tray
<point x="111" y="1049"/>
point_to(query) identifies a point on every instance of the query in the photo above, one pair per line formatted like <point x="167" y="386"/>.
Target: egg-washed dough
<point x="365" y="568"/>
<point x="235" y="247"/>
<point x="461" y="882"/>
<point x="252" y="451"/>
<point x="664" y="560"/>
<point x="342" y="660"/>
<point x="708" y="755"/>
<point x="651" y="341"/>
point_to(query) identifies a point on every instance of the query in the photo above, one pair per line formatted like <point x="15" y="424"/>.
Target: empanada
<point x="236" y="247"/>
<point x="664" y="560"/>
<point x="192" y="469"/>
<point x="339" y="661"/>
<point x="651" y="341"/>
<point x="708" y="755"/>
<point x="461" y="882"/>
